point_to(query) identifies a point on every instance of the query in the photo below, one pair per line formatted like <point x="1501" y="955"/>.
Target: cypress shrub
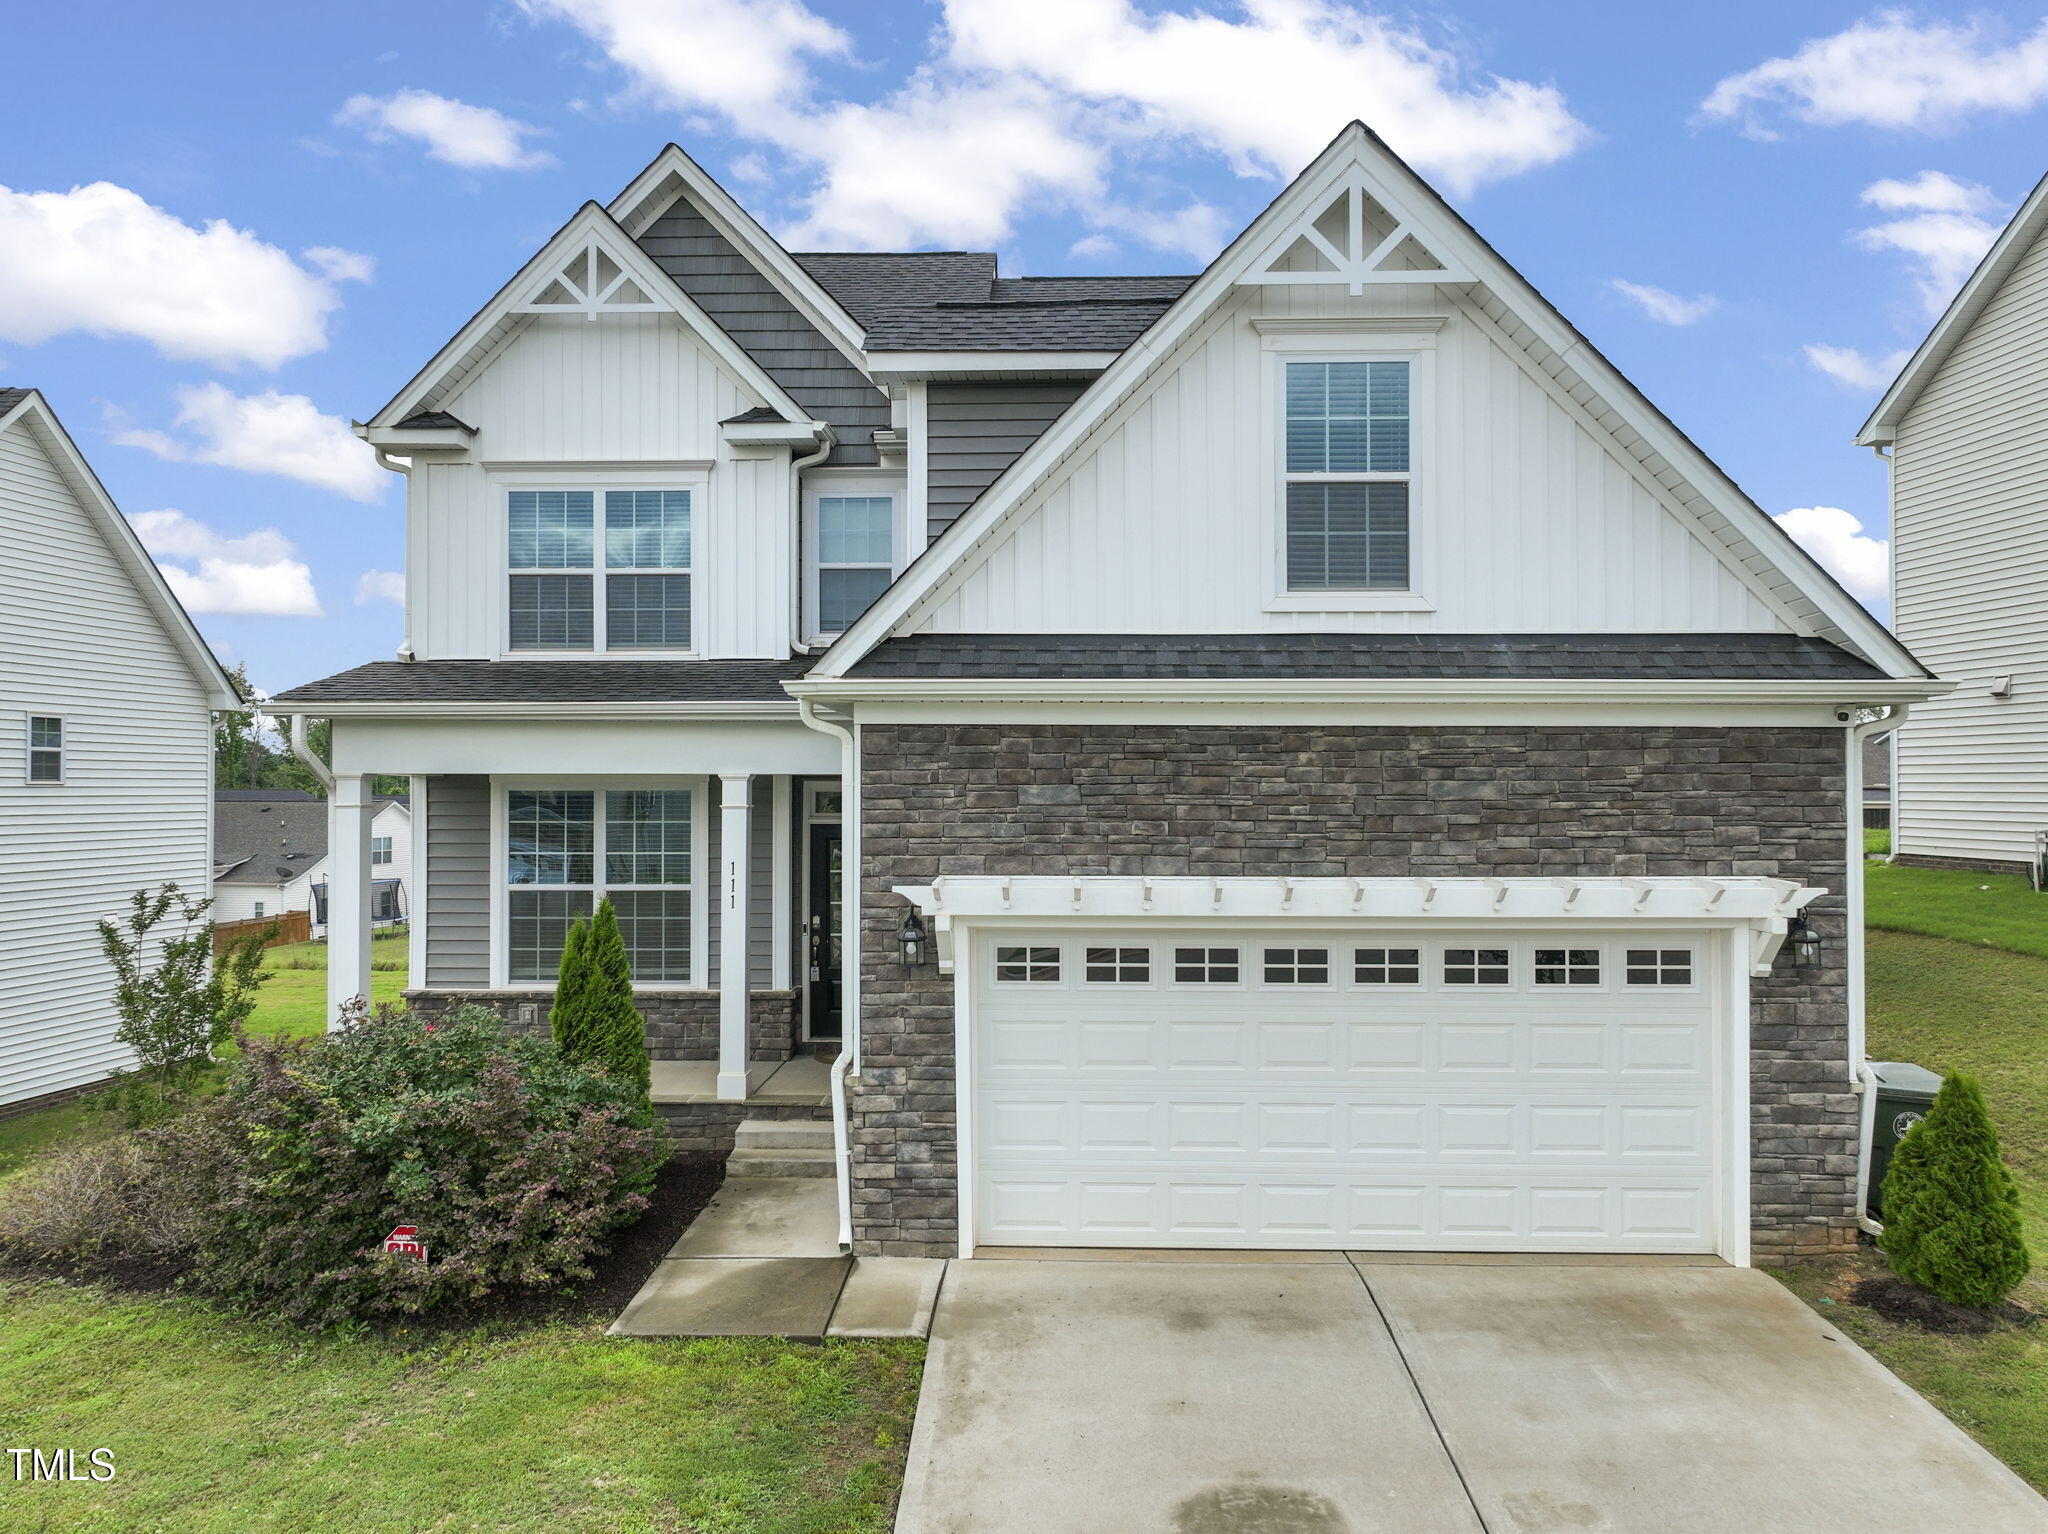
<point x="617" y="1033"/>
<point x="569" y="1017"/>
<point x="1951" y="1212"/>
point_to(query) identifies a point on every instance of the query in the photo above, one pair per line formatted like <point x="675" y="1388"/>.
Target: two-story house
<point x="1307" y="755"/>
<point x="1965" y="429"/>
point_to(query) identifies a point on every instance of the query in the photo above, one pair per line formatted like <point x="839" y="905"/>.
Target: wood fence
<point x="290" y="927"/>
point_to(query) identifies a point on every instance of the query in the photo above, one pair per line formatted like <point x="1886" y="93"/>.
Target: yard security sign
<point x="404" y="1241"/>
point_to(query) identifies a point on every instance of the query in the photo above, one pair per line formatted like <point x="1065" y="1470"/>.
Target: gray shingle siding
<point x="457" y="903"/>
<point x="769" y="328"/>
<point x="974" y="431"/>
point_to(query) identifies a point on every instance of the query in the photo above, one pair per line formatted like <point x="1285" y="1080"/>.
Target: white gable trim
<point x="507" y="313"/>
<point x="650" y="194"/>
<point x="34" y="412"/>
<point x="2006" y="252"/>
<point x="1756" y="548"/>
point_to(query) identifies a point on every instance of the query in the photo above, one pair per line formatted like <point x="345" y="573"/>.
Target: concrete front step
<point x="790" y="1162"/>
<point x="783" y="1134"/>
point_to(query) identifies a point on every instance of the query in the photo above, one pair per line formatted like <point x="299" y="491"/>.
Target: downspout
<point x="826" y="442"/>
<point x="400" y="466"/>
<point x="305" y="753"/>
<point x="1860" y="1078"/>
<point x="848" y="1060"/>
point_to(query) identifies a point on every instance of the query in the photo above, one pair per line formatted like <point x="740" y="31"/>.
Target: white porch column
<point x="349" y="812"/>
<point x="734" y="842"/>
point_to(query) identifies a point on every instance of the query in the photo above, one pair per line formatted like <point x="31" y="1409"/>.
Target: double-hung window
<point x="380" y="849"/>
<point x="855" y="541"/>
<point x="45" y="748"/>
<point x="1347" y="455"/>
<point x="599" y="570"/>
<point x="567" y="849"/>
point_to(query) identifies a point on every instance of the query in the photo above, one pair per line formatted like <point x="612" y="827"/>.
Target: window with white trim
<point x="560" y="599"/>
<point x="1387" y="966"/>
<point x="568" y="849"/>
<point x="853" y="557"/>
<point x="1118" y="966"/>
<point x="1567" y="966"/>
<point x="1347" y="475"/>
<point x="1205" y="966"/>
<point x="1659" y="966"/>
<point x="1027" y="965"/>
<point x="45" y="748"/>
<point x="1476" y="966"/>
<point x="380" y="849"/>
<point x="1297" y="966"/>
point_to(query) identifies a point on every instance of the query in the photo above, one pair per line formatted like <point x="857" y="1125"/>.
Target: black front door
<point x="821" y="933"/>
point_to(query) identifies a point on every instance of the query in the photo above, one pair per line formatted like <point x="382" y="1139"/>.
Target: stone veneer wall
<point x="1984" y="865"/>
<point x="705" y="1131"/>
<point x="681" y="1025"/>
<point x="1361" y="801"/>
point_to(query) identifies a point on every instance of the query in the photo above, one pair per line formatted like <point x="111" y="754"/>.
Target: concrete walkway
<point x="1317" y="1394"/>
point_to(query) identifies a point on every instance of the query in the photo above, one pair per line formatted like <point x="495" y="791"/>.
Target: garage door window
<point x="1027" y="965"/>
<point x="1660" y="966"/>
<point x="1387" y="966"/>
<point x="1567" y="966"/>
<point x="1205" y="966"/>
<point x="1119" y="966"/>
<point x="1476" y="966"/>
<point x="1297" y="966"/>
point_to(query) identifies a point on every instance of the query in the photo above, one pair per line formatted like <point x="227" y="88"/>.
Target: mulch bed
<point x="1909" y="1305"/>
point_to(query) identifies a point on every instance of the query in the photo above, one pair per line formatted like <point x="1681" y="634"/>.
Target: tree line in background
<point x="249" y="753"/>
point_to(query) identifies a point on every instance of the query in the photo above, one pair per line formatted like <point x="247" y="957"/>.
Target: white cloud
<point x="99" y="259"/>
<point x="253" y="575"/>
<point x="1664" y="306"/>
<point x="1092" y="247"/>
<point x="1943" y="235"/>
<point x="1929" y="192"/>
<point x="1022" y="105"/>
<point x="268" y="433"/>
<point x="381" y="586"/>
<point x="1889" y="71"/>
<point x="1846" y="365"/>
<point x="455" y="132"/>
<point x="338" y="265"/>
<point x="1836" y="538"/>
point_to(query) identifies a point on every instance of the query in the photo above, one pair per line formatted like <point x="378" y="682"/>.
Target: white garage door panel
<point x="1510" y="1117"/>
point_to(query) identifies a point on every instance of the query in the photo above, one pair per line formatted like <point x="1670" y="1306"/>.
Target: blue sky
<point x="226" y="230"/>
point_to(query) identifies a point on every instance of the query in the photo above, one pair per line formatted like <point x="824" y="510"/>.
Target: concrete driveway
<point x="1148" y="1394"/>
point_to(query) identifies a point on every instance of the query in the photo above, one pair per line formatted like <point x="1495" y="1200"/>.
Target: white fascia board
<point x="35" y="412"/>
<point x="419" y="439"/>
<point x="1356" y="690"/>
<point x="502" y="709"/>
<point x="798" y="433"/>
<point x="903" y="367"/>
<point x="2006" y="252"/>
<point x="743" y="231"/>
<point x="1415" y="203"/>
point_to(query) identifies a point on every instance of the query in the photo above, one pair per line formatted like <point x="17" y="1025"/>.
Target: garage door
<point x="1460" y="1091"/>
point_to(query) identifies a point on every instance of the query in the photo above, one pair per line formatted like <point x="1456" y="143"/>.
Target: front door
<point x="821" y="934"/>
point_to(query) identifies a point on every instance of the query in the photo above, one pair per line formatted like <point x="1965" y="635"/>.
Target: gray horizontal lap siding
<point x="760" y="889"/>
<point x="750" y="309"/>
<point x="457" y="904"/>
<point x="974" y="431"/>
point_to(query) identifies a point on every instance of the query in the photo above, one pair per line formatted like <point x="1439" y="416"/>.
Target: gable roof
<point x="267" y="836"/>
<point x="28" y="408"/>
<point x="1500" y="302"/>
<point x="500" y="319"/>
<point x="2007" y="251"/>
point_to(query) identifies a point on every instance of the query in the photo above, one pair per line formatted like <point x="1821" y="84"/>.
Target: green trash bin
<point x="1904" y="1094"/>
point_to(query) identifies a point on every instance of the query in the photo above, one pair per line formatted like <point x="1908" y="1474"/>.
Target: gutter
<point x="304" y="751"/>
<point x="826" y="442"/>
<point x="847" y="1062"/>
<point x="1366" y="690"/>
<point x="1861" y="1079"/>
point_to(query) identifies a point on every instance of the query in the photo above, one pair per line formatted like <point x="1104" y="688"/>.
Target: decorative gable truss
<point x="590" y="283"/>
<point x="1354" y="240"/>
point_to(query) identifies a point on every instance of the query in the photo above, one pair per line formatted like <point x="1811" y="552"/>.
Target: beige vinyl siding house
<point x="113" y="797"/>
<point x="1967" y="425"/>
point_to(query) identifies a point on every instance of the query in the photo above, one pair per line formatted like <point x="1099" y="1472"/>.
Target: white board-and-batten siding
<point x="1970" y="598"/>
<point x="1523" y="520"/>
<point x="135" y="808"/>
<point x="565" y="402"/>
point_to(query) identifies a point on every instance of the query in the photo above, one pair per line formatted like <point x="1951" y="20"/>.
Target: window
<point x="1347" y="476"/>
<point x="1205" y="966"/>
<point x="854" y="539"/>
<point x="45" y="748"/>
<point x="1387" y="966"/>
<point x="259" y="908"/>
<point x="380" y="849"/>
<point x="1028" y="964"/>
<point x="1119" y="965"/>
<point x="1297" y="966"/>
<point x="1659" y="966"/>
<point x="1476" y="966"/>
<point x="1567" y="966"/>
<point x="568" y="849"/>
<point x="557" y="600"/>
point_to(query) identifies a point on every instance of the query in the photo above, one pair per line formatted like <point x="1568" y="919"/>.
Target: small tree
<point x="618" y="1033"/>
<point x="569" y="1017"/>
<point x="178" y="1002"/>
<point x="1951" y="1212"/>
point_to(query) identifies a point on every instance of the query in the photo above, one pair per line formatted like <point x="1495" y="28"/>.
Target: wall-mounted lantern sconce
<point x="1804" y="942"/>
<point x="910" y="941"/>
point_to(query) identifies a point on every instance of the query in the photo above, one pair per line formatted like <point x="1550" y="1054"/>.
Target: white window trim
<point x="1419" y="352"/>
<point x="390" y="851"/>
<point x="63" y="748"/>
<point x="818" y="487"/>
<point x="502" y="788"/>
<point x="597" y="481"/>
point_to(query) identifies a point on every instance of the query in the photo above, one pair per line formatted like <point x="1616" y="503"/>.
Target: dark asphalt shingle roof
<point x="1079" y="325"/>
<point x="267" y="840"/>
<point x="439" y="419"/>
<point x="864" y="281"/>
<point x="1576" y="657"/>
<point x="555" y="681"/>
<point x="749" y="417"/>
<point x="9" y="398"/>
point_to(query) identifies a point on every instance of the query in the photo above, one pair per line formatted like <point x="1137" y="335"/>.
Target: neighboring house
<point x="1320" y="761"/>
<point x="1877" y="782"/>
<point x="106" y="751"/>
<point x="1967" y="427"/>
<point x="270" y="856"/>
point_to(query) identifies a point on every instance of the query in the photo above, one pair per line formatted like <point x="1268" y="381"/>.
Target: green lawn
<point x="225" y="1426"/>
<point x="1998" y="910"/>
<point x="1876" y="843"/>
<point x="294" y="999"/>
